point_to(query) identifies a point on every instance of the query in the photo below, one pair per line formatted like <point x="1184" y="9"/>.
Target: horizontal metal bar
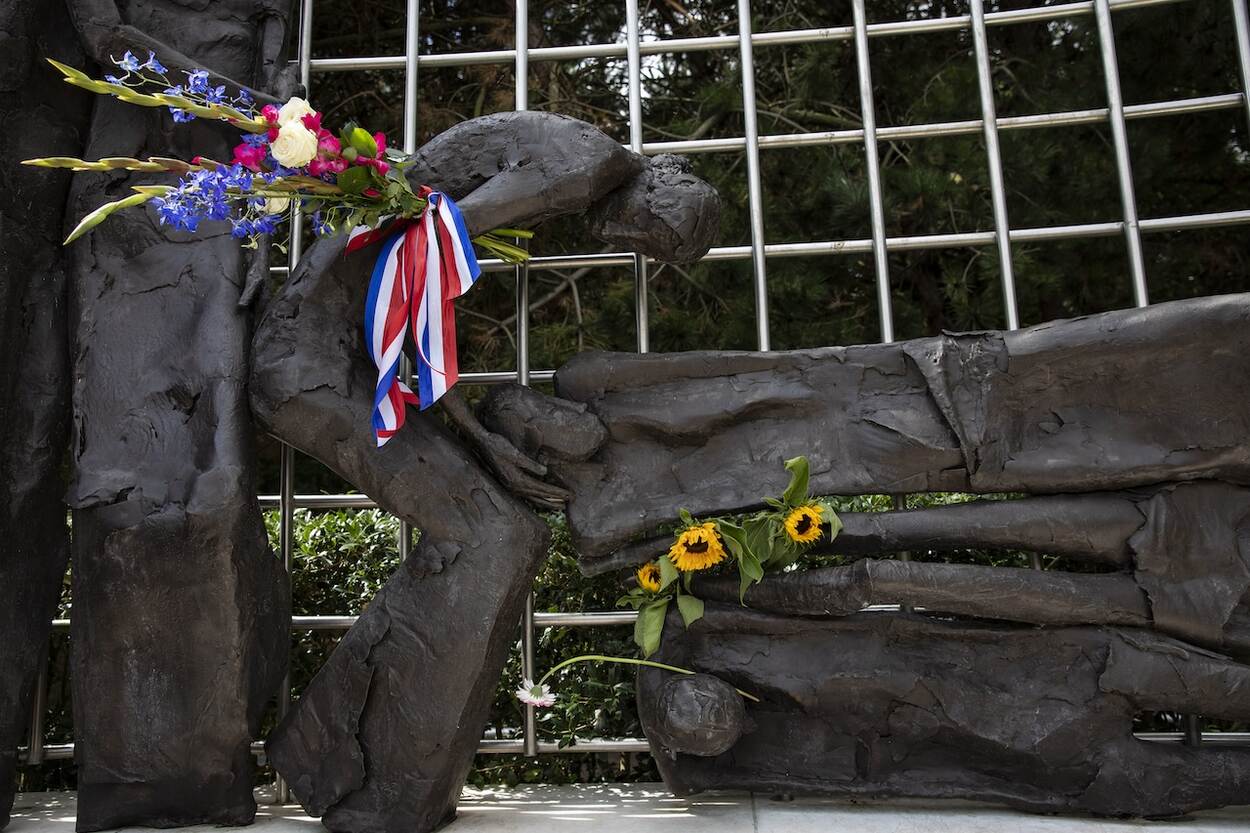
<point x="595" y="619"/>
<point x="1095" y="115"/>
<point x="517" y="747"/>
<point x="721" y="42"/>
<point x="65" y="751"/>
<point x="321" y="502"/>
<point x="919" y="242"/>
<point x="590" y="619"/>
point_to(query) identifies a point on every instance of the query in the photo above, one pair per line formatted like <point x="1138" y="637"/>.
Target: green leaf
<point x="759" y="537"/>
<point x="686" y="517"/>
<point x="69" y="71"/>
<point x="354" y="180"/>
<point x="749" y="572"/>
<point x="691" y="609"/>
<point x="831" y="518"/>
<point x="102" y="213"/>
<point x="734" y="535"/>
<point x="363" y="142"/>
<point x="796" y="493"/>
<point x="650" y="626"/>
<point x="774" y="503"/>
<point x="668" y="572"/>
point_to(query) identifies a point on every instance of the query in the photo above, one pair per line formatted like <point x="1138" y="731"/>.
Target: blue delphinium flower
<point x="255" y="139"/>
<point x="113" y="79"/>
<point x="197" y="81"/>
<point x="319" y="226"/>
<point x="181" y="116"/>
<point x="204" y="195"/>
<point x="174" y="211"/>
<point x="154" y="64"/>
<point x="244" y="99"/>
<point x="215" y="95"/>
<point x="241" y="227"/>
<point x="128" y="62"/>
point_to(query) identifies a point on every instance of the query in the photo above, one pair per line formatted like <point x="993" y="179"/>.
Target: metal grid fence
<point x="879" y="245"/>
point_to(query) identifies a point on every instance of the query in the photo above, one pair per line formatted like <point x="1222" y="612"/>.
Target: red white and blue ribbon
<point x="425" y="263"/>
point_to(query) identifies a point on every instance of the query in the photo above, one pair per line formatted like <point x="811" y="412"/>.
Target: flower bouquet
<point x="286" y="157"/>
<point x="351" y="181"/>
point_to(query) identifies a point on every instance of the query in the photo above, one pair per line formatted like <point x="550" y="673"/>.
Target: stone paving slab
<point x="647" y="808"/>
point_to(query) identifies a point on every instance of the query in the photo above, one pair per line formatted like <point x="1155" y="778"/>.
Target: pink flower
<point x="313" y="122"/>
<point x="378" y="165"/>
<point x="380" y="139"/>
<point x="250" y="156"/>
<point x="328" y="144"/>
<point x="321" y="167"/>
<point x="535" y="695"/>
<point x="270" y="113"/>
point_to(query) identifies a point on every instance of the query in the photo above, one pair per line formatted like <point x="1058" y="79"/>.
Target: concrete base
<point x="630" y="808"/>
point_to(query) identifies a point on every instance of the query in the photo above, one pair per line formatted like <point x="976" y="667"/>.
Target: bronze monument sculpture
<point x="1121" y="437"/>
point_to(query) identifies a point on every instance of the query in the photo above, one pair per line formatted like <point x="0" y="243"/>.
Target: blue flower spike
<point x="197" y="81"/>
<point x="154" y="64"/>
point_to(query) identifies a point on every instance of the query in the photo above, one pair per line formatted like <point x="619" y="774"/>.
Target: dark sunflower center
<point x="697" y="546"/>
<point x="804" y="524"/>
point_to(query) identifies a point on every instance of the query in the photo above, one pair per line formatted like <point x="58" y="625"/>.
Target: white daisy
<point x="535" y="695"/>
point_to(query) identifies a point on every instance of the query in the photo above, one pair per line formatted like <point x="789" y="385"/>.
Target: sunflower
<point x="649" y="577"/>
<point x="803" y="524"/>
<point x="697" y="548"/>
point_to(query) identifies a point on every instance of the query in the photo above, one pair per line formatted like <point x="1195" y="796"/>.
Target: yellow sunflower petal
<point x="649" y="577"/>
<point x="803" y="524"/>
<point x="697" y="548"/>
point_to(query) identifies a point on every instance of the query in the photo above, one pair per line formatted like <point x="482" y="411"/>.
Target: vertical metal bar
<point x="634" y="59"/>
<point x="1241" y="22"/>
<point x="411" y="43"/>
<point x="286" y="544"/>
<point x="900" y="504"/>
<point x="523" y="364"/>
<point x="755" y="195"/>
<point x="876" y="201"/>
<point x="286" y="462"/>
<point x="1193" y="730"/>
<point x="39" y="705"/>
<point x="998" y="191"/>
<point x="1119" y="137"/>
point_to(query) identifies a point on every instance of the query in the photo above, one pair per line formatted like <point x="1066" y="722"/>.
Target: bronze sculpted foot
<point x="382" y="738"/>
<point x="1127" y="435"/>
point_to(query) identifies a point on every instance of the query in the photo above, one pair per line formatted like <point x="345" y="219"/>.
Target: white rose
<point x="295" y="146"/>
<point x="277" y="205"/>
<point x="293" y="111"/>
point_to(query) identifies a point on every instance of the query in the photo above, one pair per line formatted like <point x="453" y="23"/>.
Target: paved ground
<point x="647" y="808"/>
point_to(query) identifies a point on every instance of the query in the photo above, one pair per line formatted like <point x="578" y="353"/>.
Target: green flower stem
<point x="628" y="661"/>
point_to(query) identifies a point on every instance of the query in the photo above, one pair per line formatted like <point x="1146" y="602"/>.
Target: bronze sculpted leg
<point x="180" y="608"/>
<point x="34" y="370"/>
<point x="383" y="737"/>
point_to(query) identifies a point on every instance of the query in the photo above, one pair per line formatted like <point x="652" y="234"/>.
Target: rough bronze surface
<point x="180" y="617"/>
<point x="45" y="118"/>
<point x="891" y="704"/>
<point x="1105" y="402"/>
<point x="521" y="168"/>
<point x="666" y="212"/>
<point x="382" y="738"/>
